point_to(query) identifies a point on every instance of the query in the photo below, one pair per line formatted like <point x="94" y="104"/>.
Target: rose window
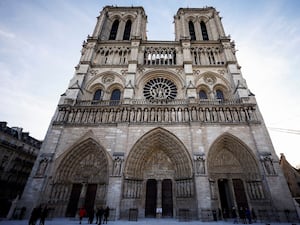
<point x="160" y="88"/>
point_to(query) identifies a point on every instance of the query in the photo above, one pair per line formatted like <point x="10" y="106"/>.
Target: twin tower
<point x="158" y="128"/>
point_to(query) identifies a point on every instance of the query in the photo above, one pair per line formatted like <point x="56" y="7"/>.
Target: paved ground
<point x="64" y="221"/>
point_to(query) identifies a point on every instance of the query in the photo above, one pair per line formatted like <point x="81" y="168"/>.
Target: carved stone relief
<point x="107" y="79"/>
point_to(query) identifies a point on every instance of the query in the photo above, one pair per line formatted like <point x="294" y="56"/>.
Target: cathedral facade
<point x="158" y="128"/>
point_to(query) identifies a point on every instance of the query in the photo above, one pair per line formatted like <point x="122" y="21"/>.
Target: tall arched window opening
<point x="220" y="94"/>
<point x="127" y="30"/>
<point x="115" y="97"/>
<point x="204" y="31"/>
<point x="97" y="95"/>
<point x="114" y="30"/>
<point x="202" y="94"/>
<point x="192" y="31"/>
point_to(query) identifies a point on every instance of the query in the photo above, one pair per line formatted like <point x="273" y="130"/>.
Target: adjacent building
<point x="18" y="152"/>
<point x="292" y="176"/>
<point x="156" y="128"/>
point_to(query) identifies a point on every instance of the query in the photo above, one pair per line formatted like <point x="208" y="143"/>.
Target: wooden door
<point x="225" y="197"/>
<point x="90" y="197"/>
<point x="151" y="195"/>
<point x="73" y="201"/>
<point x="167" y="198"/>
<point x="239" y="193"/>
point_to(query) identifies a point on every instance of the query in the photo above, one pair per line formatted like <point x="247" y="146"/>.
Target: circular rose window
<point x="160" y="88"/>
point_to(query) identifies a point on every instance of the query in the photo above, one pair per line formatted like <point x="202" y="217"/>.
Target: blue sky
<point x="40" y="43"/>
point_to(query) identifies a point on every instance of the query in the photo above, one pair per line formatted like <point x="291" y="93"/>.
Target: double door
<point x="159" y="198"/>
<point x="81" y="192"/>
<point x="232" y="193"/>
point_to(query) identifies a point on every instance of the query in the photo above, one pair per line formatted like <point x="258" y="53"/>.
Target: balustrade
<point x="160" y="56"/>
<point x="112" y="55"/>
<point x="207" y="55"/>
<point x="144" y="111"/>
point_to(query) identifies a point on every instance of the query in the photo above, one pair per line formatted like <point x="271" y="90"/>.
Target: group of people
<point x="102" y="215"/>
<point x="38" y="213"/>
<point x="245" y="214"/>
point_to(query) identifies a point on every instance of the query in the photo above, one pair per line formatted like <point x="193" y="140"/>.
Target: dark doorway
<point x="73" y="201"/>
<point x="90" y="197"/>
<point x="167" y="198"/>
<point x="225" y="197"/>
<point x="151" y="195"/>
<point x="239" y="192"/>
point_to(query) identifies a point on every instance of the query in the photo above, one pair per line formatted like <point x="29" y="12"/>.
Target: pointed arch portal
<point x="81" y="178"/>
<point x="161" y="164"/>
<point x="158" y="143"/>
<point x="232" y="168"/>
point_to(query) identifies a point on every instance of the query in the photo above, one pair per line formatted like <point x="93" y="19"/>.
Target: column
<point x="158" y="199"/>
<point x="82" y="195"/>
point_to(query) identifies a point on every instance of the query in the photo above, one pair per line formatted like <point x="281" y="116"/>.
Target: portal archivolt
<point x="81" y="178"/>
<point x="228" y="154"/>
<point x="158" y="143"/>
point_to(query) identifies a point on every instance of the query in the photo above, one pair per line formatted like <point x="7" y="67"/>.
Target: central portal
<point x="159" y="198"/>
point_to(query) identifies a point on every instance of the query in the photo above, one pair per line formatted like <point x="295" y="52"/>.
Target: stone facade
<point x="18" y="152"/>
<point x="159" y="128"/>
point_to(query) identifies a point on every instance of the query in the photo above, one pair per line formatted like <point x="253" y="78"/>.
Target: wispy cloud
<point x="6" y="34"/>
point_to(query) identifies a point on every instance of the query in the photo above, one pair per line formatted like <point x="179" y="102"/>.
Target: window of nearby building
<point x="114" y="30"/>
<point x="202" y="94"/>
<point x="115" y="97"/>
<point x="97" y="95"/>
<point x="204" y="31"/>
<point x="192" y="31"/>
<point x="127" y="30"/>
<point x="220" y="94"/>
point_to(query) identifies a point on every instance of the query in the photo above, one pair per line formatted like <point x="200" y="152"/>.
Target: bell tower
<point x="121" y="23"/>
<point x="198" y="24"/>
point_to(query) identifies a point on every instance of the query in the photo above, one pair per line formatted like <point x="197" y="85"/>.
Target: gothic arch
<point x="229" y="155"/>
<point x="152" y="142"/>
<point x="205" y="19"/>
<point x="156" y="73"/>
<point x="225" y="91"/>
<point x="95" y="87"/>
<point x="191" y="18"/>
<point x="113" y="87"/>
<point x="205" y="88"/>
<point x="85" y="161"/>
<point x="101" y="80"/>
<point x="215" y="78"/>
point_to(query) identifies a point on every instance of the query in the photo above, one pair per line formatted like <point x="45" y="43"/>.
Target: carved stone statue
<point x="42" y="168"/>
<point x="118" y="162"/>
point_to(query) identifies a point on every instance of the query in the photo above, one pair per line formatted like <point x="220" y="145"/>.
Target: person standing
<point x="99" y="215"/>
<point x="242" y="215"/>
<point x="234" y="215"/>
<point x="248" y="215"/>
<point x="82" y="213"/>
<point x="35" y="214"/>
<point x="91" y="215"/>
<point x="44" y="214"/>
<point x="106" y="215"/>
